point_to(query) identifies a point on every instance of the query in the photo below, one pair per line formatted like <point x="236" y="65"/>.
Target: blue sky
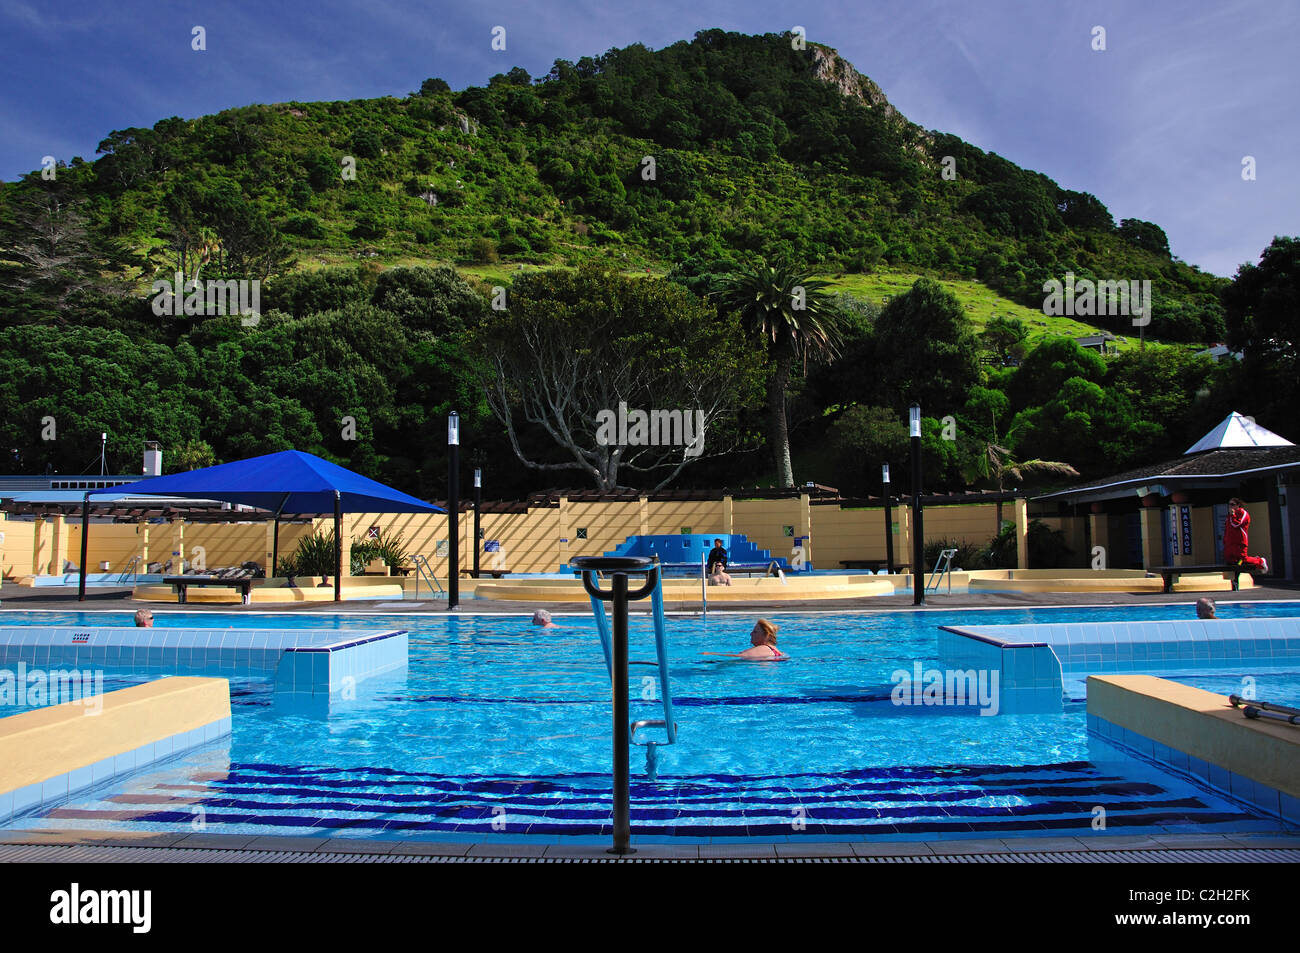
<point x="1155" y="126"/>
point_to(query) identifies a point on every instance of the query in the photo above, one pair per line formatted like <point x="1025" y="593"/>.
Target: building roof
<point x="1238" y="431"/>
<point x="1214" y="468"/>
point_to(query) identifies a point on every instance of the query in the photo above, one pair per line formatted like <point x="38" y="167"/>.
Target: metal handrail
<point x="132" y="569"/>
<point x="422" y="568"/>
<point x="613" y="642"/>
<point x="942" y="567"/>
<point x="704" y="583"/>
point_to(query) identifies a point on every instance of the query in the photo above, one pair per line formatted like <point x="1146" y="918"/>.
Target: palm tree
<point x="791" y="312"/>
<point x="996" y="463"/>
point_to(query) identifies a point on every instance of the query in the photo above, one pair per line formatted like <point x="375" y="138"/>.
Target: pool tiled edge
<point x="48" y="754"/>
<point x="1033" y="661"/>
<point x="301" y="661"/>
<point x="1198" y="735"/>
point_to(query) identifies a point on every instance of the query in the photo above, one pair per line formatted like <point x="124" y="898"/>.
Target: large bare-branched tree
<point x="50" y="242"/>
<point x="578" y="356"/>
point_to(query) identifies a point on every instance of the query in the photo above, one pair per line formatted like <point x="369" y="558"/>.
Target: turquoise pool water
<point x="500" y="728"/>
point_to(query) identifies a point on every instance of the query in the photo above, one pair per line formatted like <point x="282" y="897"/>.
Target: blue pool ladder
<point x="668" y="722"/>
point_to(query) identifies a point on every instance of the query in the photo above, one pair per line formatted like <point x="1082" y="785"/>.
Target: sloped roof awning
<point x="1238" y="431"/>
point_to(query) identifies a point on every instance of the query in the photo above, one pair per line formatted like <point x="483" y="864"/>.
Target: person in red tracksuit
<point x="1236" y="538"/>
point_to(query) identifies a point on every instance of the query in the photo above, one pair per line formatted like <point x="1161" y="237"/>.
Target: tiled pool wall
<point x="62" y="786"/>
<point x="1275" y="803"/>
<point x="49" y="754"/>
<point x="317" y="670"/>
<point x="1033" y="660"/>
<point x="1029" y="673"/>
<point x="301" y="661"/>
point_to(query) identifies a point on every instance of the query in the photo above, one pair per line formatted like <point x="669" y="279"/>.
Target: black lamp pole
<point x="478" y="500"/>
<point x="918" y="531"/>
<point x="453" y="511"/>
<point x="889" y="521"/>
<point x="85" y="539"/>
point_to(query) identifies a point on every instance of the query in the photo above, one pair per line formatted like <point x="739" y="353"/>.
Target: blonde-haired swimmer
<point x="763" y="644"/>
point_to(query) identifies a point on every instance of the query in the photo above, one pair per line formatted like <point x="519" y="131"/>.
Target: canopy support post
<point x="85" y="534"/>
<point x="275" y="539"/>
<point x="338" y="547"/>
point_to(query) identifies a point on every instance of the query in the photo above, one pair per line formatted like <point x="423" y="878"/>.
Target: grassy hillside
<point x="683" y="159"/>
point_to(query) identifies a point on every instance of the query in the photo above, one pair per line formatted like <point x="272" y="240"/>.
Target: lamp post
<point x="453" y="511"/>
<point x="889" y="521"/>
<point x="478" y="500"/>
<point x="918" y="532"/>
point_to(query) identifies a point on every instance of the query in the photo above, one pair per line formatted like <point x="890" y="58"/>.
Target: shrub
<point x="1001" y="550"/>
<point x="968" y="555"/>
<point x="483" y="250"/>
<point x="1047" y="549"/>
<point x="313" y="557"/>
<point x="389" y="548"/>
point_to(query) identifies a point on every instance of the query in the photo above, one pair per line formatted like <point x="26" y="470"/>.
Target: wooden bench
<point x="480" y="573"/>
<point x="875" y="565"/>
<point x="182" y="583"/>
<point x="1171" y="573"/>
<point x="692" y="570"/>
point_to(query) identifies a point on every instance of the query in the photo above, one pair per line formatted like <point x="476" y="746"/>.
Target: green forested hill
<point x="681" y="162"/>
<point x="755" y="148"/>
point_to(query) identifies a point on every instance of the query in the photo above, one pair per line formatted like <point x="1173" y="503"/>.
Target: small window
<point x="582" y="532"/>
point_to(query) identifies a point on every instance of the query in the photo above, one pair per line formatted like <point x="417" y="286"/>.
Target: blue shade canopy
<point x="285" y="482"/>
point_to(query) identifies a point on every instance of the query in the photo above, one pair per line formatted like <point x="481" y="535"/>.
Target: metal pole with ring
<point x="619" y="567"/>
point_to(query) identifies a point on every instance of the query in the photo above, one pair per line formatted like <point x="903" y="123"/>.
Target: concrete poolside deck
<point x="98" y="847"/>
<point x="64" y="599"/>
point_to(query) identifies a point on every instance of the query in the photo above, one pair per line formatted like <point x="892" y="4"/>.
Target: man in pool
<point x="1205" y="608"/>
<point x="144" y="618"/>
<point x="543" y="618"/>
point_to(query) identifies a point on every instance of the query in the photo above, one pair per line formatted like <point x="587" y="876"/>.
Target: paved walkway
<point x="64" y="599"/>
<point x="98" y="847"/>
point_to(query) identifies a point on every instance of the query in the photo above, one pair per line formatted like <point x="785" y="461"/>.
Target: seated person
<point x="1205" y="608"/>
<point x="716" y="567"/>
<point x="763" y="639"/>
<point x="543" y="618"/>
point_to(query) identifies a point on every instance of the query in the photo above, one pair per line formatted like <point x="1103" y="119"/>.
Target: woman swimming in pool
<point x="763" y="648"/>
<point x="763" y="642"/>
<point x="763" y="637"/>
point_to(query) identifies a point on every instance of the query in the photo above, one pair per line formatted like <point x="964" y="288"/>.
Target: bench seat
<point x="1171" y="573"/>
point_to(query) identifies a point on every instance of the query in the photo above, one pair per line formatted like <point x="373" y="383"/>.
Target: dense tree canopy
<point x="688" y="160"/>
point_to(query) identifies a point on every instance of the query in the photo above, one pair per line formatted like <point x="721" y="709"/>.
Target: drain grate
<point x="91" y="854"/>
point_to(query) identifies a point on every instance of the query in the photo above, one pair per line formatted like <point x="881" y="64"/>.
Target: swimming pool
<point x="499" y="729"/>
